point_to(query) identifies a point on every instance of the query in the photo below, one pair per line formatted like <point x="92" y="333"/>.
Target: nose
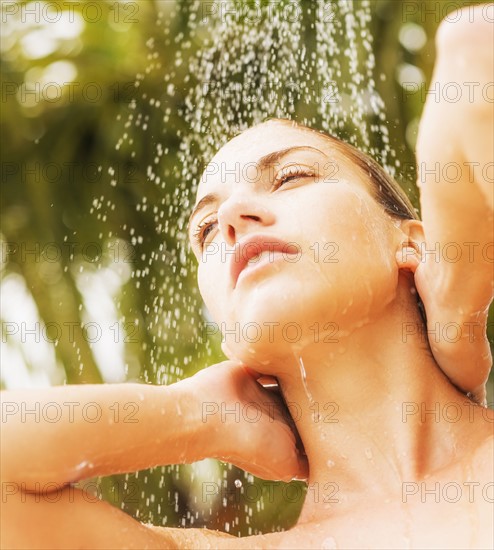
<point x="238" y="216"/>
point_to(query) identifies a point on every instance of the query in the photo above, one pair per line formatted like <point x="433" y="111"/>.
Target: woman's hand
<point x="457" y="336"/>
<point x="454" y="272"/>
<point x="251" y="426"/>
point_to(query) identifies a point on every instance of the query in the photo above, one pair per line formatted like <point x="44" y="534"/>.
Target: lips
<point x="250" y="247"/>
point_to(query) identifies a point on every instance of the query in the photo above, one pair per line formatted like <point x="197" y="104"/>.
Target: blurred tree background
<point x="95" y="287"/>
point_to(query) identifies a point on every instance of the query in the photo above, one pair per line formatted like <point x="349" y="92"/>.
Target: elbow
<point x="15" y="480"/>
<point x="467" y="29"/>
<point x="465" y="58"/>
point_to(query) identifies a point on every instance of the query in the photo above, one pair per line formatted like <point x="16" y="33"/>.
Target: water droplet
<point x="304" y="380"/>
<point x="238" y="483"/>
<point x="85" y="464"/>
<point x="246" y="63"/>
<point x="329" y="543"/>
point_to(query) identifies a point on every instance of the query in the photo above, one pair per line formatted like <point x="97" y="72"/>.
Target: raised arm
<point x="54" y="437"/>
<point x="96" y="430"/>
<point x="85" y="431"/>
<point x="455" y="150"/>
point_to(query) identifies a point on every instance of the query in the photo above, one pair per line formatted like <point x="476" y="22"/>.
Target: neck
<point x="373" y="411"/>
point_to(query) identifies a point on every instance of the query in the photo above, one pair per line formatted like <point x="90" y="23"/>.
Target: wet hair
<point x="386" y="190"/>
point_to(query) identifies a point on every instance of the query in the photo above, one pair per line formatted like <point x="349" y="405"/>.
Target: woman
<point x="402" y="454"/>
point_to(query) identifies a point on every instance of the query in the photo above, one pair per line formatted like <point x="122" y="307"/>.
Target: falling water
<point x="303" y="375"/>
<point x="310" y="63"/>
<point x="307" y="61"/>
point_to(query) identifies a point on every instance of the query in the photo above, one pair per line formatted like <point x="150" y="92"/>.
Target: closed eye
<point x="203" y="231"/>
<point x="291" y="175"/>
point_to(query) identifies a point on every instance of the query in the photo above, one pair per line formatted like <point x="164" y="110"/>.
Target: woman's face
<point x="328" y="263"/>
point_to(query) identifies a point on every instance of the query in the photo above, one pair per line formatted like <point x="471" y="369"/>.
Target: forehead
<point x="256" y="143"/>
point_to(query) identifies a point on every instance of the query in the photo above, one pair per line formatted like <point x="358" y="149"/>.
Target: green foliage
<point x="77" y="192"/>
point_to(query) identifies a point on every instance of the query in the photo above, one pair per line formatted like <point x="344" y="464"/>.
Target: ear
<point x="410" y="244"/>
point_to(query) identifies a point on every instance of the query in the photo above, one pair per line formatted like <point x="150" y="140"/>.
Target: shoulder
<point x="481" y="487"/>
<point x="483" y="456"/>
<point x="207" y="538"/>
<point x="309" y="535"/>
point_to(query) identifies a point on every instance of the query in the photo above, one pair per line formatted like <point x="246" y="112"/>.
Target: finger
<point x="479" y="395"/>
<point x="262" y="471"/>
<point x="268" y="382"/>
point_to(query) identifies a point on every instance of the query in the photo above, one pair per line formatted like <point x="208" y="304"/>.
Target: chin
<point x="274" y="318"/>
<point x="270" y="320"/>
<point x="265" y="357"/>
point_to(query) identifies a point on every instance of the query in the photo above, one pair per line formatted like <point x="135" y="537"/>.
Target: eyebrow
<point x="262" y="164"/>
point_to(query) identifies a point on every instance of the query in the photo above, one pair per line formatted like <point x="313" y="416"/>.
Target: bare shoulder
<point x="206" y="538"/>
<point x="485" y="451"/>
<point x="482" y="492"/>
<point x="300" y="536"/>
<point x="483" y="456"/>
<point x="472" y="24"/>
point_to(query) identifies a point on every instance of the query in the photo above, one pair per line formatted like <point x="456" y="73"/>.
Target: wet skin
<point x="371" y="472"/>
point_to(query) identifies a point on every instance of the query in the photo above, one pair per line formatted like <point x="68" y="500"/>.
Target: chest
<point x="441" y="517"/>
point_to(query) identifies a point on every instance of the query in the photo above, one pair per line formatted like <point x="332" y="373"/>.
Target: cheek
<point x="355" y="226"/>
<point x="355" y="253"/>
